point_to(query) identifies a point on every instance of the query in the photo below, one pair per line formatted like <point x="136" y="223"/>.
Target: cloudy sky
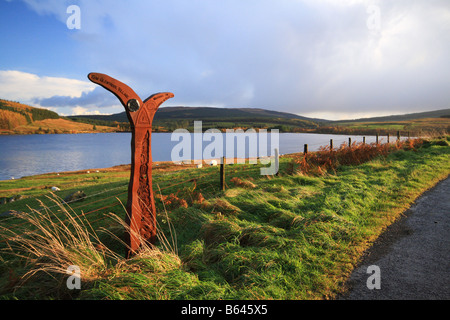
<point x="332" y="59"/>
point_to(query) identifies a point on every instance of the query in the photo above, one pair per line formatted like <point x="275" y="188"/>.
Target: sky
<point x="331" y="59"/>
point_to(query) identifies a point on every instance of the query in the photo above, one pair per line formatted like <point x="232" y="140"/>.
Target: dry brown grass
<point x="50" y="242"/>
<point x="326" y="159"/>
<point x="243" y="183"/>
<point x="61" y="126"/>
<point x="220" y="206"/>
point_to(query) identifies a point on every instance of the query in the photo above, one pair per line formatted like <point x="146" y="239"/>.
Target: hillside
<point x="205" y="113"/>
<point x="14" y="114"/>
<point x="17" y="118"/>
<point x="170" y="118"/>
<point x="208" y="113"/>
<point x="414" y="123"/>
<point x="443" y="113"/>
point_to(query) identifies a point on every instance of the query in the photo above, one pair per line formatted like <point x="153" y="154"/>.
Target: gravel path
<point x="413" y="255"/>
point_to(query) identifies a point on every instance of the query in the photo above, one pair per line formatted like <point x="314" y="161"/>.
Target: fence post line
<point x="222" y="174"/>
<point x="331" y="144"/>
<point x="305" y="149"/>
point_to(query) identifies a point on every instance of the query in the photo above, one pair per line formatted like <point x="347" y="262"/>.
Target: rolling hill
<point x="443" y="113"/>
<point x="419" y="123"/>
<point x="205" y="113"/>
<point x="18" y="118"/>
<point x="170" y="118"/>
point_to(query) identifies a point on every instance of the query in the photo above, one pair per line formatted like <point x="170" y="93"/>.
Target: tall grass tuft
<point x="48" y="242"/>
<point x="146" y="248"/>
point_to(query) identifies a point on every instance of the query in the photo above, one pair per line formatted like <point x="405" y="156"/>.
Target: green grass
<point x="414" y="126"/>
<point x="287" y="237"/>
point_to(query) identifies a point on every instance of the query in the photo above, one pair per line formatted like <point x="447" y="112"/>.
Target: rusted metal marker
<point x="141" y="215"/>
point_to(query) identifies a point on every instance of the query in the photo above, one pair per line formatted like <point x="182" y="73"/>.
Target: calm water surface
<point x="24" y="155"/>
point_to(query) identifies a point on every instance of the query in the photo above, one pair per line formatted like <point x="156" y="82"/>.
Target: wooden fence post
<point x="349" y="142"/>
<point x="388" y="138"/>
<point x="398" y="135"/>
<point x="377" y="139"/>
<point x="364" y="140"/>
<point x="222" y="174"/>
<point x="331" y="144"/>
<point x="305" y="149"/>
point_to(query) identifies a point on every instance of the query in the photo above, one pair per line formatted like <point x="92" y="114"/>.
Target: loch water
<point x="25" y="155"/>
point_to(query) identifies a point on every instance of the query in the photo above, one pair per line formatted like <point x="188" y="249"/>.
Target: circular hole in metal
<point x="133" y="105"/>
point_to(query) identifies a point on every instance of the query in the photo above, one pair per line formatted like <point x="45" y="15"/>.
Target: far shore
<point x="324" y="130"/>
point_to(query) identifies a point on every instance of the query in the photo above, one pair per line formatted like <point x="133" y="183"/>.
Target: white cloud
<point x="78" y="111"/>
<point x="27" y="87"/>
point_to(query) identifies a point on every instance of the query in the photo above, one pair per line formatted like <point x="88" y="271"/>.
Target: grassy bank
<point x="293" y="236"/>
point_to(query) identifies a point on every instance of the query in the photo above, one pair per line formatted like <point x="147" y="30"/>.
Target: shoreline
<point x="159" y="166"/>
<point x="156" y="166"/>
<point x="324" y="130"/>
<point x="168" y="165"/>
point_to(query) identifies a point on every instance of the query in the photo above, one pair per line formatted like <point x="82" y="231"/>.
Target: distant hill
<point x="204" y="113"/>
<point x="208" y="113"/>
<point x="14" y="113"/>
<point x="18" y="118"/>
<point x="412" y="123"/>
<point x="443" y="113"/>
<point x="172" y="117"/>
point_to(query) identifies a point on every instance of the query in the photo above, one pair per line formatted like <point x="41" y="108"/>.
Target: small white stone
<point x="213" y="163"/>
